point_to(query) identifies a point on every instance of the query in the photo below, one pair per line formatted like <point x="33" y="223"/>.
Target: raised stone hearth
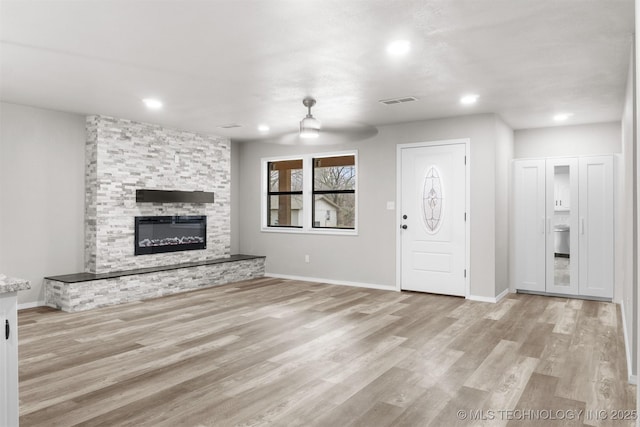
<point x="123" y="156"/>
<point x="85" y="291"/>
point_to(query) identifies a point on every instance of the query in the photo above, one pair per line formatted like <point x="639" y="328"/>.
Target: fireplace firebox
<point x="159" y="234"/>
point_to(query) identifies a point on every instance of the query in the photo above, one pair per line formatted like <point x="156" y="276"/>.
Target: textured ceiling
<point x="249" y="62"/>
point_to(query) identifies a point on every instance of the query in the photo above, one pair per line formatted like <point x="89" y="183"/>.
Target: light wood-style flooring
<point x="288" y="353"/>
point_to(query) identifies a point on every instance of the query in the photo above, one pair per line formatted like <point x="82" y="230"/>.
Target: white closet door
<point x="562" y="226"/>
<point x="530" y="224"/>
<point x="596" y="226"/>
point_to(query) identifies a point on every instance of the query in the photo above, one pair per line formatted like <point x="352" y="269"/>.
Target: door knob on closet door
<point x="404" y="226"/>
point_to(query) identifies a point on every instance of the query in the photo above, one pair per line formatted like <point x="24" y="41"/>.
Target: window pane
<point x="334" y="173"/>
<point x="285" y="210"/>
<point x="285" y="175"/>
<point x="334" y="211"/>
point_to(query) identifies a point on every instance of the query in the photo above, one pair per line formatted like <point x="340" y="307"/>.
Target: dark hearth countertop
<point x="12" y="284"/>
<point x="87" y="277"/>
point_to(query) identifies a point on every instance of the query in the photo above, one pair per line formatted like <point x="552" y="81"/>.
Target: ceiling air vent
<point x="398" y="100"/>
<point x="230" y="126"/>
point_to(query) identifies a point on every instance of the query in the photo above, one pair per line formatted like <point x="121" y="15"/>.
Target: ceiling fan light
<point x="309" y="127"/>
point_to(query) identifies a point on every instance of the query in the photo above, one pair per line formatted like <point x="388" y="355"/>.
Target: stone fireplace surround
<point x="122" y="156"/>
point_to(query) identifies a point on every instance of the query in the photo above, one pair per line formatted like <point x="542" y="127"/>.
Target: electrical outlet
<point x="306" y="259"/>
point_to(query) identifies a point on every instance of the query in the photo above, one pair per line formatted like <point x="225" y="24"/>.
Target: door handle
<point x="403" y="226"/>
<point x="7" y="329"/>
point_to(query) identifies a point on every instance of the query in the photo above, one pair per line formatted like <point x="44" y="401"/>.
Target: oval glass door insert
<point x="432" y="200"/>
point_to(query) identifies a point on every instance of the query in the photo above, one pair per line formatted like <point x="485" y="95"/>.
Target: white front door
<point x="433" y="211"/>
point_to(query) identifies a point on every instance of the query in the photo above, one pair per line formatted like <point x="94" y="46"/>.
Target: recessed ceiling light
<point x="561" y="117"/>
<point x="399" y="47"/>
<point x="152" y="103"/>
<point x="469" y="99"/>
<point x="263" y="128"/>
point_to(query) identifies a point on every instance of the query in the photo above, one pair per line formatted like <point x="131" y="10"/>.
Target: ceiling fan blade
<point x="329" y="135"/>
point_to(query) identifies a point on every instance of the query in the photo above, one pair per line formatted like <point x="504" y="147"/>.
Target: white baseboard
<point x="627" y="347"/>
<point x="32" y="304"/>
<point x="373" y="286"/>
<point x="493" y="300"/>
<point x="331" y="281"/>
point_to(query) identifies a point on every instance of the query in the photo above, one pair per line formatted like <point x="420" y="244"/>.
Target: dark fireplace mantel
<point x="171" y="196"/>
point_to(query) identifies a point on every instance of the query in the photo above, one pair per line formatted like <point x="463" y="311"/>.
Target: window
<point x="334" y="192"/>
<point x="285" y="193"/>
<point x="313" y="193"/>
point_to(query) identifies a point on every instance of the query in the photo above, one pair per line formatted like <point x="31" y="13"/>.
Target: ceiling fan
<point x="312" y="132"/>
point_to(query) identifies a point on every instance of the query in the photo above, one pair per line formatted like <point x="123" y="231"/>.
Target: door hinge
<point x="465" y="160"/>
<point x="465" y="272"/>
<point x="465" y="216"/>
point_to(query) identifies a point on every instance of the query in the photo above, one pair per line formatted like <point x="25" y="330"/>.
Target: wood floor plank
<point x="488" y="373"/>
<point x="508" y="390"/>
<point x="567" y="322"/>
<point x="359" y="403"/>
<point x="291" y="353"/>
<point x="425" y="409"/>
<point x="502" y="308"/>
<point x="539" y="396"/>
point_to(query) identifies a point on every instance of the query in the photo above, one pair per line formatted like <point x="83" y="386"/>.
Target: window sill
<point x="328" y="232"/>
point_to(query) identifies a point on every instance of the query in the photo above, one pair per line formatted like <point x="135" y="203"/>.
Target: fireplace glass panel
<point x="159" y="234"/>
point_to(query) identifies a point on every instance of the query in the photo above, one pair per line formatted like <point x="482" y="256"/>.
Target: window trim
<point x="307" y="195"/>
<point x="315" y="192"/>
<point x="270" y="193"/>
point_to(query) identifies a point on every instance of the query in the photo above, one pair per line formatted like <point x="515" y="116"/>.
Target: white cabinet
<point x="562" y="239"/>
<point x="8" y="360"/>
<point x="529" y="203"/>
<point x="562" y="188"/>
<point x="9" y="287"/>
<point x="596" y="226"/>
<point x="563" y="218"/>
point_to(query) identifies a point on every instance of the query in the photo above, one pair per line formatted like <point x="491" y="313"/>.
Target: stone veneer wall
<point x="82" y="296"/>
<point x="123" y="156"/>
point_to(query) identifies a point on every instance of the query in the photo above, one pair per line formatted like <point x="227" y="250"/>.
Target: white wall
<point x="41" y="195"/>
<point x="577" y="140"/>
<point x="636" y="179"/>
<point x="370" y="257"/>
<point x="504" y="156"/>
<point x="626" y="230"/>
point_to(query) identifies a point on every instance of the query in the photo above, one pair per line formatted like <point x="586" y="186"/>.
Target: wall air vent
<point x="398" y="100"/>
<point x="230" y="126"/>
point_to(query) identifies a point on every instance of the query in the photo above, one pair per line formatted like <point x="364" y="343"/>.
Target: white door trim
<point x="399" y="148"/>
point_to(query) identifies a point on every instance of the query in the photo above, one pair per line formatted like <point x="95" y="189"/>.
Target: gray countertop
<point x="11" y="284"/>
